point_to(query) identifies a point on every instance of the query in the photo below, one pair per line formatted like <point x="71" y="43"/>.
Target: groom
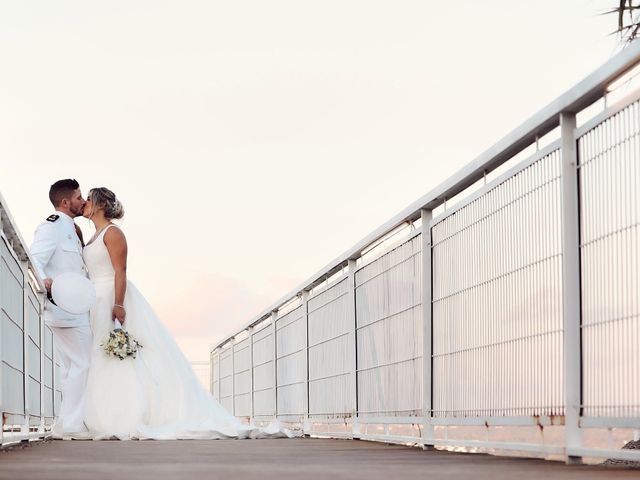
<point x="57" y="248"/>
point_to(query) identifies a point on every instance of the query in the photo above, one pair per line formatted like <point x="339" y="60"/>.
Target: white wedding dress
<point x="156" y="395"/>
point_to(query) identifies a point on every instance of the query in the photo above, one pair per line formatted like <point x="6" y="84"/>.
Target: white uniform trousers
<point x="73" y="347"/>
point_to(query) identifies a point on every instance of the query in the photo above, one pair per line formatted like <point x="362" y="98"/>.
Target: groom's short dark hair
<point x="62" y="189"/>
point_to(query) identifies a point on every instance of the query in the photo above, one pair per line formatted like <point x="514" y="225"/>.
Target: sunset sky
<point x="251" y="142"/>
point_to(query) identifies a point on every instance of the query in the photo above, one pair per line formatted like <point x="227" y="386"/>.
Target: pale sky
<point x="251" y="142"/>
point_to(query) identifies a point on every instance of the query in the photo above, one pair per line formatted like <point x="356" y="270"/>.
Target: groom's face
<point x="76" y="203"/>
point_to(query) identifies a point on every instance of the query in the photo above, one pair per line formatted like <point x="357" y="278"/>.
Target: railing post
<point x="211" y="376"/>
<point x="219" y="375"/>
<point x="53" y="379"/>
<point x="353" y="341"/>
<point x="1" y="358"/>
<point x="571" y="285"/>
<point x="233" y="376"/>
<point x="274" y="318"/>
<point x="251" y="409"/>
<point x="41" y="327"/>
<point x="305" y="321"/>
<point x="427" y="322"/>
<point x="25" y="347"/>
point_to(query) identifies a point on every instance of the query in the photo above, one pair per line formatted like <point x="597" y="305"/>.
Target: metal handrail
<point x="582" y="95"/>
<point x="10" y="230"/>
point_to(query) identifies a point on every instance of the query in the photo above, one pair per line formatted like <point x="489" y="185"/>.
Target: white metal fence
<point x="29" y="389"/>
<point x="497" y="298"/>
<point x="508" y="321"/>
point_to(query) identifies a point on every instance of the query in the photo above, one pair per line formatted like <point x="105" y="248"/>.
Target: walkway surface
<point x="300" y="459"/>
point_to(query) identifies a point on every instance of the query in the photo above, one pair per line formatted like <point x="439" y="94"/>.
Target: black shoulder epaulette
<point x="53" y="218"/>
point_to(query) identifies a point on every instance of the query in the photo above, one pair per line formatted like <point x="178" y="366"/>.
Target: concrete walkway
<point x="298" y="459"/>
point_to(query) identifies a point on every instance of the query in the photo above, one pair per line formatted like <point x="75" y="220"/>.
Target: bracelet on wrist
<point x="118" y="305"/>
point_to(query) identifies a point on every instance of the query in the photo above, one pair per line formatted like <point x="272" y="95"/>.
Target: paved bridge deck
<point x="299" y="459"/>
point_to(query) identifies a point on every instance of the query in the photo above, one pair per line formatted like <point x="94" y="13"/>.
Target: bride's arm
<point x="116" y="244"/>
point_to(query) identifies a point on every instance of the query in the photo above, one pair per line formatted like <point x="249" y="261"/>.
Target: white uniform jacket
<point x="57" y="249"/>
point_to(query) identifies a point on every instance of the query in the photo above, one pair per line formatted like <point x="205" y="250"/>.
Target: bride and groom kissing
<point x="154" y="395"/>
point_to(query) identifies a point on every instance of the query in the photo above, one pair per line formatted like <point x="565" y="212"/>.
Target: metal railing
<point x="508" y="322"/>
<point x="29" y="389"/>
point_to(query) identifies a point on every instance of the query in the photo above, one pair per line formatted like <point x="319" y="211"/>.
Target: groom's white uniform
<point x="57" y="249"/>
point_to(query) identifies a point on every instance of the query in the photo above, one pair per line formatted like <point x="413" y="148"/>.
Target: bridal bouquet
<point x="121" y="343"/>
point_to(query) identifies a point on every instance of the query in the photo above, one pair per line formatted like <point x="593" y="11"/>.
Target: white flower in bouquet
<point x="121" y="343"/>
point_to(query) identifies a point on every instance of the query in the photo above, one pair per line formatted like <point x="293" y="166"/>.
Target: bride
<point x="156" y="395"/>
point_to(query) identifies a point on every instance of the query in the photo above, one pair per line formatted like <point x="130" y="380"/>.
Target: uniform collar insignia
<point x="63" y="216"/>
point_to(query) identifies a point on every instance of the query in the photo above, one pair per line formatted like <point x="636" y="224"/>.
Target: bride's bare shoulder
<point x="114" y="234"/>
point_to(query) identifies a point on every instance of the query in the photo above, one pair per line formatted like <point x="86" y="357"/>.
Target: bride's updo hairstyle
<point x="104" y="198"/>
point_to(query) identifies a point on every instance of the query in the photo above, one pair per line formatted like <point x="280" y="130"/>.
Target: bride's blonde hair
<point x="105" y="198"/>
